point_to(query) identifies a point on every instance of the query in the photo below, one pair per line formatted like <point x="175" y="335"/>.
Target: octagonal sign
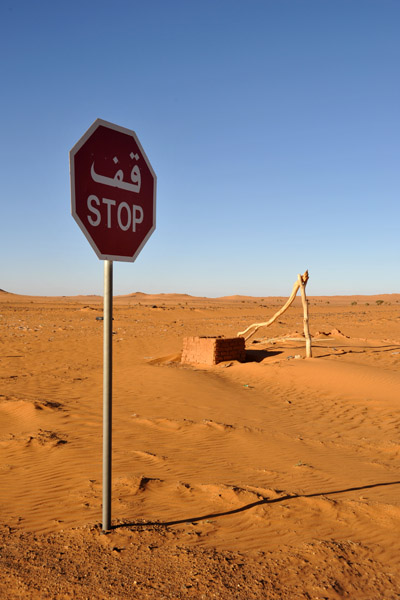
<point x="113" y="191"/>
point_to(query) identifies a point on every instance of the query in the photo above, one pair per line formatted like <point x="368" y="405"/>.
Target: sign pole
<point x="113" y="200"/>
<point x="107" y="392"/>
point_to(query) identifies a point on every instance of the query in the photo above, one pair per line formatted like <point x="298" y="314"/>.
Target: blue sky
<point x="273" y="127"/>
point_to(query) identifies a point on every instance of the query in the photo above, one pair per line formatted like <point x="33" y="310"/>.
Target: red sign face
<point x="113" y="191"/>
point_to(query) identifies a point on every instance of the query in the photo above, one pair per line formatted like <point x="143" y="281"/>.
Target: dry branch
<point x="256" y="326"/>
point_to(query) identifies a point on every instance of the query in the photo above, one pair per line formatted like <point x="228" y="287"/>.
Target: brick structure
<point x="212" y="350"/>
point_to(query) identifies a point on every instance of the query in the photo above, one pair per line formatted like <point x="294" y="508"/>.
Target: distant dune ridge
<point x="394" y="297"/>
<point x="277" y="477"/>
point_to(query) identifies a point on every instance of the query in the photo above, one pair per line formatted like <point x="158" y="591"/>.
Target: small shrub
<point x="353" y="303"/>
<point x="379" y="302"/>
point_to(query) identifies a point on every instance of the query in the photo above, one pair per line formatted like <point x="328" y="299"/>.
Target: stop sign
<point x="113" y="191"/>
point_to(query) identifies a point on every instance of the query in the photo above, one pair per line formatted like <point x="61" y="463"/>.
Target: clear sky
<point x="273" y="127"/>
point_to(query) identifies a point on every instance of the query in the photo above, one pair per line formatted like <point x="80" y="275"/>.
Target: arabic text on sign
<point x="118" y="179"/>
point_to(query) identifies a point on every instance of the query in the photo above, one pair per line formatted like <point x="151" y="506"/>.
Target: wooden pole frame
<point x="300" y="284"/>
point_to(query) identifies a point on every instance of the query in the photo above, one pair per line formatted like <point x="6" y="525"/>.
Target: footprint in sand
<point x="149" y="457"/>
<point x="45" y="438"/>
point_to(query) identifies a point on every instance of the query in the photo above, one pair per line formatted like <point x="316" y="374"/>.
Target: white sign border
<point x="97" y="123"/>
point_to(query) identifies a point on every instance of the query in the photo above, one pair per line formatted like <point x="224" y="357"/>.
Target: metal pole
<point x="107" y="392"/>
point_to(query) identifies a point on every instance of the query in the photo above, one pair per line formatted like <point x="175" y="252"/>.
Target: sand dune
<point x="277" y="477"/>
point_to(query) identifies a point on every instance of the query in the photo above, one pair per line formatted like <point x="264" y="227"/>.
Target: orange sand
<point x="287" y="466"/>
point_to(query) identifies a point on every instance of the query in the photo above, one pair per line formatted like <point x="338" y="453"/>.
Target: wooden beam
<point x="305" y="315"/>
<point x="256" y="326"/>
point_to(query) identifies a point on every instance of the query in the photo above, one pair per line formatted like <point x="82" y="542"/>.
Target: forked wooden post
<point x="300" y="283"/>
<point x="303" y="282"/>
<point x="255" y="326"/>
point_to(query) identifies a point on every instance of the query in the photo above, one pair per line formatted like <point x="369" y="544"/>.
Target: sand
<point x="274" y="478"/>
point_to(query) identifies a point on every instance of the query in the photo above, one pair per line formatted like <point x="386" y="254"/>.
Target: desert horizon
<point x="386" y="296"/>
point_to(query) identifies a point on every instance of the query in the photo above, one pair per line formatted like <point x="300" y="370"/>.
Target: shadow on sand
<point x="259" y="355"/>
<point x="252" y="505"/>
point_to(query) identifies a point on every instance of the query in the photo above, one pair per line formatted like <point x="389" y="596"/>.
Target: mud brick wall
<point x="212" y="350"/>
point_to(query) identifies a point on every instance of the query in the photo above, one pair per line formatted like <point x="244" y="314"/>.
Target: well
<point x="212" y="350"/>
